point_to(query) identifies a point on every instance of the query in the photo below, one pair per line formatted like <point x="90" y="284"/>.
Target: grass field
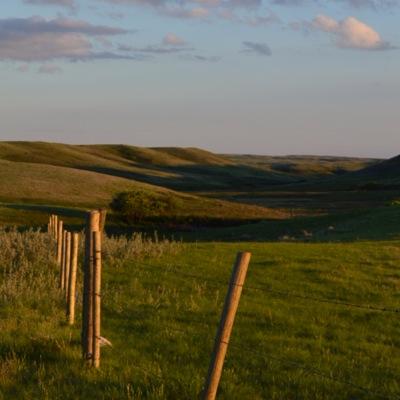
<point x="161" y="308"/>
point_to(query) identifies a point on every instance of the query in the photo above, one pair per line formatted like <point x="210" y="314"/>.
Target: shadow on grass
<point x="377" y="224"/>
<point x="202" y="177"/>
<point x="48" y="209"/>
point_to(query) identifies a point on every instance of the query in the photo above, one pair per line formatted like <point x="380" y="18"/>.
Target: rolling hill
<point x="186" y="169"/>
<point x="81" y="177"/>
<point x="230" y="186"/>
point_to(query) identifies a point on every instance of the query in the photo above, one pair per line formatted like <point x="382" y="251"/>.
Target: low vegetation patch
<point x="138" y="205"/>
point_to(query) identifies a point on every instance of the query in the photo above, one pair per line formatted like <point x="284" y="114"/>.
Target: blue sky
<point x="239" y="76"/>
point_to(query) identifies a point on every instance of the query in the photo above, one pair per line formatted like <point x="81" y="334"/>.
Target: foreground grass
<point x="161" y="320"/>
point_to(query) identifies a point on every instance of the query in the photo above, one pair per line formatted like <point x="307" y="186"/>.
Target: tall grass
<point x="27" y="268"/>
<point x="34" y="334"/>
<point x="117" y="250"/>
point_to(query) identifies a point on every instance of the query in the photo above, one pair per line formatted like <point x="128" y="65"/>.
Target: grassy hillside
<point x="305" y="166"/>
<point x="382" y="175"/>
<point x="28" y="184"/>
<point x="186" y="169"/>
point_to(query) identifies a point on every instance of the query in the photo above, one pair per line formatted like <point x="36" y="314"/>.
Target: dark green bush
<point x="139" y="205"/>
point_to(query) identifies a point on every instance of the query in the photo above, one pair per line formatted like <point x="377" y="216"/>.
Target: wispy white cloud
<point x="171" y="43"/>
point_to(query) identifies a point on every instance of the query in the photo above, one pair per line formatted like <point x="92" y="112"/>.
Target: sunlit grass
<point x="161" y="305"/>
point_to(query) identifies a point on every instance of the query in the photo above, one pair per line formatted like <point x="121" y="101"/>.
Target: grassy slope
<point x="162" y="326"/>
<point x="24" y="183"/>
<point x="305" y="166"/>
<point x="179" y="168"/>
<point x="384" y="173"/>
<point x="37" y="183"/>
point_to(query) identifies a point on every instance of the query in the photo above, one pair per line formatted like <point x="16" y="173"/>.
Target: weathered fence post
<point x="96" y="298"/>
<point x="55" y="224"/>
<point x="103" y="216"/>
<point x="60" y="228"/>
<point x="225" y="327"/>
<point x="72" y="279"/>
<point x="92" y="225"/>
<point x="67" y="262"/>
<point x="63" y="256"/>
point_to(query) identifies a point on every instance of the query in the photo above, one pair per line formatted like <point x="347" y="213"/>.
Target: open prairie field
<point x="316" y="321"/>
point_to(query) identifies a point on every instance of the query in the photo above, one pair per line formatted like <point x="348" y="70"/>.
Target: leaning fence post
<point x="60" y="228"/>
<point x="72" y="279"/>
<point x="92" y="225"/>
<point x="226" y="323"/>
<point x="96" y="298"/>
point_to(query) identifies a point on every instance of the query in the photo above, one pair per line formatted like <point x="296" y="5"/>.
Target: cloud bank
<point x="38" y="39"/>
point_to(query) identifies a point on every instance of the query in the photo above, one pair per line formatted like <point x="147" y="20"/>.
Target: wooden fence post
<point x="55" y="224"/>
<point x="225" y="327"/>
<point x="60" y="229"/>
<point x="63" y="256"/>
<point x="50" y="226"/>
<point x="92" y="225"/>
<point x="97" y="298"/>
<point x="103" y="216"/>
<point x="67" y="262"/>
<point x="72" y="279"/>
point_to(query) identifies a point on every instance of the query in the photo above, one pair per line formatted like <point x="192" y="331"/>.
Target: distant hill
<point x="83" y="176"/>
<point x="91" y="176"/>
<point x="387" y="169"/>
<point x="305" y="166"/>
<point x="187" y="169"/>
<point x="380" y="175"/>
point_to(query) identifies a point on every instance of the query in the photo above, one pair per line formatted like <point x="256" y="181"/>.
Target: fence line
<point x="92" y="283"/>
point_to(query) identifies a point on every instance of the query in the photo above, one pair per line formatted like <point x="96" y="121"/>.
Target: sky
<point x="231" y="76"/>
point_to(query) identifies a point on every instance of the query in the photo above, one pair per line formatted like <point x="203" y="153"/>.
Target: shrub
<point x="138" y="205"/>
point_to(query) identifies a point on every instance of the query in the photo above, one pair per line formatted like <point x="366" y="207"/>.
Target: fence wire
<point x="218" y="283"/>
<point x="317" y="372"/>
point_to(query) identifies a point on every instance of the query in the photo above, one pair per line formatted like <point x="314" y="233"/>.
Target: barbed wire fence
<point x="176" y="270"/>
